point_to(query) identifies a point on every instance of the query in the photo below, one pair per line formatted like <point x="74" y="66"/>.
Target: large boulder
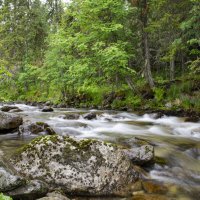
<point x="81" y="167"/>
<point x="9" y="121"/>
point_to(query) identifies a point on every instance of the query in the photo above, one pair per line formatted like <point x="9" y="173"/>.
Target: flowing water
<point x="176" y="142"/>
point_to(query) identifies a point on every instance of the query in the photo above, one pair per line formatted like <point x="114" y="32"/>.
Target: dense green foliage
<point x="3" y="197"/>
<point x="142" y="53"/>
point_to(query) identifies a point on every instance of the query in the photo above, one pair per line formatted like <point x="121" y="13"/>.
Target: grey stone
<point x="15" y="110"/>
<point x="71" y="116"/>
<point x="141" y="155"/>
<point x="35" y="128"/>
<point x="82" y="167"/>
<point x="33" y="189"/>
<point x="29" y="129"/>
<point x="8" y="177"/>
<point x="90" y="116"/>
<point x="9" y="121"/>
<point x="47" y="109"/>
<point x="54" y="196"/>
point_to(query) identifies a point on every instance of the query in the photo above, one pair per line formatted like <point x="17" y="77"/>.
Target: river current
<point x="176" y="142"/>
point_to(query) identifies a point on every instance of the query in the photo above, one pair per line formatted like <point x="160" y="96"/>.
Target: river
<point x="176" y="142"/>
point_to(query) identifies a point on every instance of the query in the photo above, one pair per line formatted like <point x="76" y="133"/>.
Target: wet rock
<point x="90" y="116"/>
<point x="71" y="116"/>
<point x="54" y="196"/>
<point x="154" y="187"/>
<point x="8" y="177"/>
<point x="81" y="167"/>
<point x="141" y="155"/>
<point x="194" y="153"/>
<point x="48" y="103"/>
<point x="50" y="131"/>
<point x="9" y="122"/>
<point x="136" y="142"/>
<point x="8" y="108"/>
<point x="192" y="119"/>
<point x="30" y="129"/>
<point x="32" y="190"/>
<point x="158" y="115"/>
<point x="137" y="186"/>
<point x="160" y="160"/>
<point x="33" y="104"/>
<point x="35" y="128"/>
<point x="47" y="109"/>
<point x="15" y="110"/>
<point x="150" y="197"/>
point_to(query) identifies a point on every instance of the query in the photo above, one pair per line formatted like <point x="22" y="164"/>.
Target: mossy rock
<point x="84" y="167"/>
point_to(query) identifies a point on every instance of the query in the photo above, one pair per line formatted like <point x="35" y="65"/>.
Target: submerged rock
<point x="71" y="116"/>
<point x="81" y="167"/>
<point x="8" y="108"/>
<point x="15" y="110"/>
<point x="9" y="121"/>
<point x="150" y="197"/>
<point x="47" y="109"/>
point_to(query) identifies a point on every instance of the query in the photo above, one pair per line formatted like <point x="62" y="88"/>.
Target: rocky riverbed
<point x="59" y="153"/>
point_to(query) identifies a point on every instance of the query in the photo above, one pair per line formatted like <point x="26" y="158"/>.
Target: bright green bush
<point x="3" y="197"/>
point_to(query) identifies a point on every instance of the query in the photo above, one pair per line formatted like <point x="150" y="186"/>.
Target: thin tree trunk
<point x="172" y="67"/>
<point x="143" y="6"/>
<point x="182" y="63"/>
<point x="147" y="66"/>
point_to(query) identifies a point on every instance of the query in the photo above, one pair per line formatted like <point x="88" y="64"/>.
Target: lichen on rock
<point x="76" y="166"/>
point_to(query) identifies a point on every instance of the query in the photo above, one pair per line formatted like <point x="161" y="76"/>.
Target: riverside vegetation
<point x="109" y="53"/>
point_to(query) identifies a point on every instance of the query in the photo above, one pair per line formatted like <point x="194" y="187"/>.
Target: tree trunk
<point x="147" y="65"/>
<point x="172" y="67"/>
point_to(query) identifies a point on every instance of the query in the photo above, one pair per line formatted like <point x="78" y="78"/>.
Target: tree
<point x="91" y="44"/>
<point x="143" y="7"/>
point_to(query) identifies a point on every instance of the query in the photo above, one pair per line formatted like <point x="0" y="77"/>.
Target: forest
<point x="109" y="53"/>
